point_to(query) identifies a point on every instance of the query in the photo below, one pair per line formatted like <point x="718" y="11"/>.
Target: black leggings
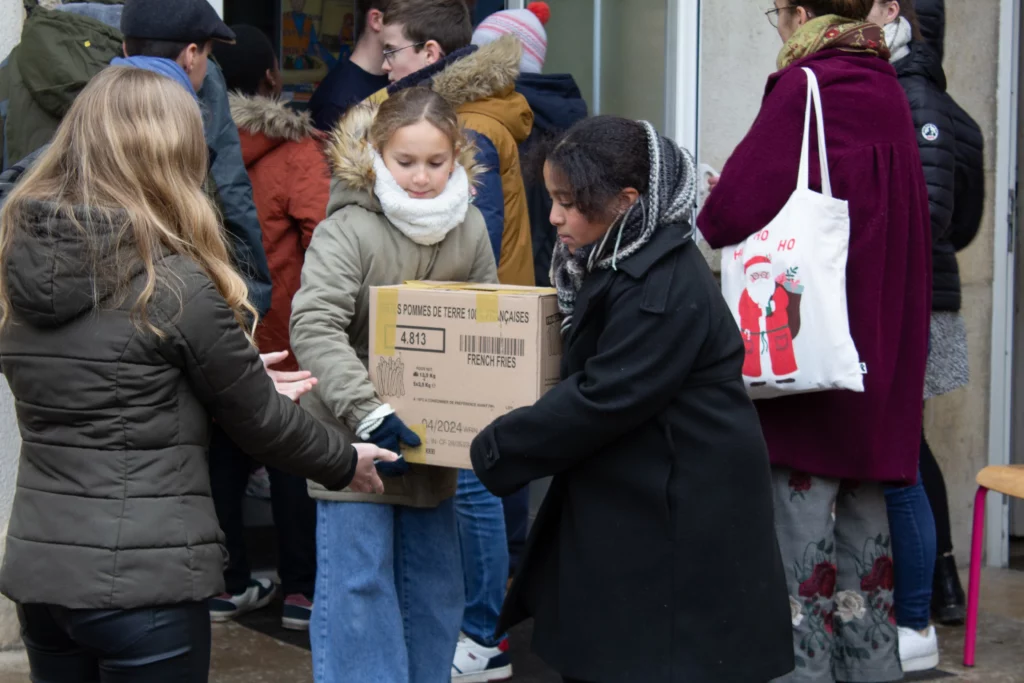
<point x="147" y="645"/>
<point x="935" y="487"/>
<point x="294" y="517"/>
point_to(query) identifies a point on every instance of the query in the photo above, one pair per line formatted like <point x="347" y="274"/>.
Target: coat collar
<point x="922" y="61"/>
<point x="666" y="240"/>
<point x="470" y="74"/>
<point x="862" y="59"/>
<point x="270" y="117"/>
<point x="351" y="154"/>
<point x="264" y="124"/>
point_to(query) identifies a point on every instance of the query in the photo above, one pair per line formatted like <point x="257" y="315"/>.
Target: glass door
<point x="616" y="51"/>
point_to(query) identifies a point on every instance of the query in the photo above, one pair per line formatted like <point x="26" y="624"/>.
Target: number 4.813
<point x="414" y="338"/>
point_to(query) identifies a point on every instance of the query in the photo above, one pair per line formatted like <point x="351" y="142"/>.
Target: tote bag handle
<point x="803" y="177"/>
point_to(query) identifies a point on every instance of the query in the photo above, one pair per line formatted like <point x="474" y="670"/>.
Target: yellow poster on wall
<point x="315" y="35"/>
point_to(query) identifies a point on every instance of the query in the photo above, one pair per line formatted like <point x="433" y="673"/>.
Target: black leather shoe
<point x="948" y="604"/>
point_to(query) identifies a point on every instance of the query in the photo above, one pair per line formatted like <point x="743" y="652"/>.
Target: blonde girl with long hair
<point x="123" y="331"/>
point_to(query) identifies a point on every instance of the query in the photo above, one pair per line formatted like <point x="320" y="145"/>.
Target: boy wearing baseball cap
<point x="176" y="39"/>
<point x="182" y="32"/>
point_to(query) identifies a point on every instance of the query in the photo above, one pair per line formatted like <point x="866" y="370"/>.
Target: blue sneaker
<point x="475" y="663"/>
<point x="259" y="594"/>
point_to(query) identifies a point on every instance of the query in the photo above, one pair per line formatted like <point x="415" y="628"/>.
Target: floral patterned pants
<point x="840" y="574"/>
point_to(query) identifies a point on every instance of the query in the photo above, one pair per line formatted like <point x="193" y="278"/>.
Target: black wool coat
<point x="654" y="557"/>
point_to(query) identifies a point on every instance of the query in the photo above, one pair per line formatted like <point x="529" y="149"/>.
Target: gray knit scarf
<point x="670" y="199"/>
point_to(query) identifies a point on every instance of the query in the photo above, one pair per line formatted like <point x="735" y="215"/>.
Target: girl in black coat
<point x="654" y="557"/>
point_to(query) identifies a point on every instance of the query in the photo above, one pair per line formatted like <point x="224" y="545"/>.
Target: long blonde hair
<point x="132" y="152"/>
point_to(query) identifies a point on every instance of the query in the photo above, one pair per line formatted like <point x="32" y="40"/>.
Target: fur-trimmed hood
<point x="265" y="124"/>
<point x="351" y="157"/>
<point x="480" y="80"/>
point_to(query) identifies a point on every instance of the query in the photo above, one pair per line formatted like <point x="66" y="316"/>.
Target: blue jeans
<point x="389" y="594"/>
<point x="484" y="557"/>
<point x="913" y="552"/>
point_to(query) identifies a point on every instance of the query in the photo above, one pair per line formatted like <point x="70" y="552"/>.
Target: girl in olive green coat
<point x="389" y="575"/>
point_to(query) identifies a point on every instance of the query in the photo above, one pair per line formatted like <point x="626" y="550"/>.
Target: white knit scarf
<point x="424" y="221"/>
<point x="898" y="35"/>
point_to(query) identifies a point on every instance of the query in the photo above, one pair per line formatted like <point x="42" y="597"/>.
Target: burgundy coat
<point x="875" y="166"/>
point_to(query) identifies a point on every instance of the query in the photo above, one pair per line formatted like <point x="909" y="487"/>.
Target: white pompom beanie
<point x="525" y="24"/>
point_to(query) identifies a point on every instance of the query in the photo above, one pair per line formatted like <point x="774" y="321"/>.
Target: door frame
<point x="1000" y="438"/>
<point x="682" y="73"/>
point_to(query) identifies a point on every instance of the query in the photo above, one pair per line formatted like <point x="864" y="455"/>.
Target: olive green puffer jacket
<point x="112" y="508"/>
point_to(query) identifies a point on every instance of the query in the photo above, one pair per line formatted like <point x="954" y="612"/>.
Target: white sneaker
<point x="475" y="663"/>
<point x="917" y="652"/>
<point x="259" y="594"/>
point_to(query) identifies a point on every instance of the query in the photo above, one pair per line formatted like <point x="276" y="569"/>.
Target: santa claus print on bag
<point x="769" y="312"/>
<point x="796" y="340"/>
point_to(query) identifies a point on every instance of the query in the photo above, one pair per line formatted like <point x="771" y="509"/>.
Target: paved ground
<point x="257" y="651"/>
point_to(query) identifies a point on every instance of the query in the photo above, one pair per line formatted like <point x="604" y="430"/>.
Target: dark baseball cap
<point x="181" y="21"/>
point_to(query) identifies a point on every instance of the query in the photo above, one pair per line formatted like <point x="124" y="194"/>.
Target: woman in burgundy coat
<point x="835" y="450"/>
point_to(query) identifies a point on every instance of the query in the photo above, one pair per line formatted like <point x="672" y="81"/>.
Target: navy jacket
<point x="557" y="104"/>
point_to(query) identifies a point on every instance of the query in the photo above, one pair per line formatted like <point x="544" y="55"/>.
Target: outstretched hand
<point x="367" y="478"/>
<point x="290" y="384"/>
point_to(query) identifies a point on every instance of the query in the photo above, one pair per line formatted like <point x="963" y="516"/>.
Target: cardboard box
<point x="450" y="358"/>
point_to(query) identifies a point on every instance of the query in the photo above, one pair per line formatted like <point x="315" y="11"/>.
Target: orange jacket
<point x="291" y="183"/>
<point x="480" y="85"/>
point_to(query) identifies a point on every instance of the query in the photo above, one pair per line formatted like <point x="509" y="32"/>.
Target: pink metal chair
<point x="1009" y="481"/>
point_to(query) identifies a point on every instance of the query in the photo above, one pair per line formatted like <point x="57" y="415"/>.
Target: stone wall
<point x="738" y="54"/>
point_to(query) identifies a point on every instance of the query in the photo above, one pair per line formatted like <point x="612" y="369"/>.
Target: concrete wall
<point x="11" y="16"/>
<point x="738" y="53"/>
<point x="957" y="424"/>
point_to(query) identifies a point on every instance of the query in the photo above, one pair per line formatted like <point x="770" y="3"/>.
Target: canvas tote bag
<point x="786" y="286"/>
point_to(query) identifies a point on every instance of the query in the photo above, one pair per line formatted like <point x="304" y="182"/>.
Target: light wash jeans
<point x="389" y="593"/>
<point x="484" y="557"/>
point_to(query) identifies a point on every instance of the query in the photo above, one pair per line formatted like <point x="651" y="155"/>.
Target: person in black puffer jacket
<point x="968" y="206"/>
<point x="121" y="336"/>
<point x="951" y="147"/>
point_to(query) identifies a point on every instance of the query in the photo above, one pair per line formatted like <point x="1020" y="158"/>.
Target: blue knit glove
<point x="391" y="433"/>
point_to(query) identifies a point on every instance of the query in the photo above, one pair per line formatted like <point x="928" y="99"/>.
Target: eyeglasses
<point x="389" y="55"/>
<point x="773" y="15"/>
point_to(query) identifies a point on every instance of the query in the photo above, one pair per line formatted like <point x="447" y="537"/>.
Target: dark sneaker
<point x="475" y="663"/>
<point x="259" y="594"/>
<point x="297" y="611"/>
